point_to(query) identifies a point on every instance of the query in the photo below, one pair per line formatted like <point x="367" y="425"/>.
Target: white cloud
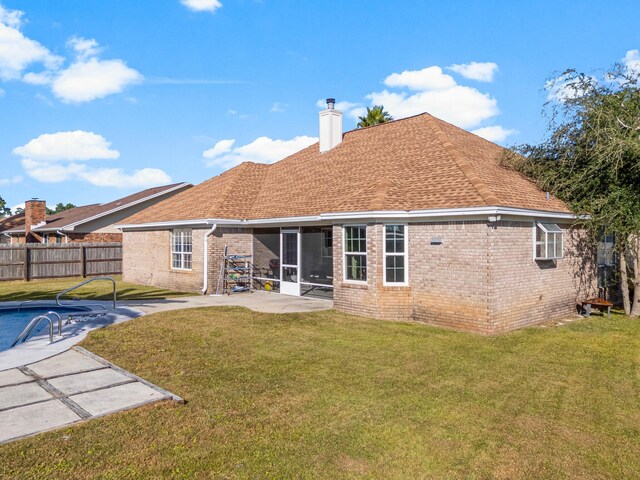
<point x="18" y="52"/>
<point x="221" y="147"/>
<point x="279" y="107"/>
<point x="11" y="180"/>
<point x="88" y="80"/>
<point x="261" y="150"/>
<point x="413" y="92"/>
<point x="631" y="61"/>
<point x="460" y="105"/>
<point x="100" y="177"/>
<point x="480" y="71"/>
<point x="202" y="5"/>
<point x="11" y="18"/>
<point x="59" y="157"/>
<point x="566" y="87"/>
<point x="350" y="109"/>
<point x="2" y="92"/>
<point x="116" y="177"/>
<point x="69" y="146"/>
<point x="494" y="133"/>
<point x="84" y="47"/>
<point x="430" y="78"/>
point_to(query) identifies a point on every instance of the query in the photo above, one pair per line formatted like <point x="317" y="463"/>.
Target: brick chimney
<point x="34" y="213"/>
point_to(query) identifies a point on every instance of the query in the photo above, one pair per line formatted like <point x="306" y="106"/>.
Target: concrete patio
<point x="259" y="301"/>
<point x="68" y="388"/>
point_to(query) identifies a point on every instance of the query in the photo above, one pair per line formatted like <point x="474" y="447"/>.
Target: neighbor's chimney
<point x="330" y="126"/>
<point x="34" y="213"/>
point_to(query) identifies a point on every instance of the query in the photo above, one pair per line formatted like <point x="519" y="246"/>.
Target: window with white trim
<point x="548" y="241"/>
<point x="355" y="253"/>
<point x="395" y="254"/>
<point x="181" y="249"/>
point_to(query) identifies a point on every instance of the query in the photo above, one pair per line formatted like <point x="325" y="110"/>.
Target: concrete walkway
<point x="259" y="301"/>
<point x="68" y="388"/>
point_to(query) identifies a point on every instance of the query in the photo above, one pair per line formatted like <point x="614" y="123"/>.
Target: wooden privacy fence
<point x="35" y="260"/>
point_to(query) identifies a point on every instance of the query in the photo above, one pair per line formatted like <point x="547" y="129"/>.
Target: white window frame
<point x="345" y="253"/>
<point x="546" y="231"/>
<point x="394" y="254"/>
<point x="183" y="255"/>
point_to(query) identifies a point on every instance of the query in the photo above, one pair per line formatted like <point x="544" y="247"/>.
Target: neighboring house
<point x="414" y="219"/>
<point x="89" y="223"/>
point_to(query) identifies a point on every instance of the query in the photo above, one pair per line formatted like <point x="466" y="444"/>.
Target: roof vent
<point x="330" y="126"/>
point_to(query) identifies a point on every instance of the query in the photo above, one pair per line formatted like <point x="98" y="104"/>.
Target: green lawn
<point x="328" y="395"/>
<point x="48" y="289"/>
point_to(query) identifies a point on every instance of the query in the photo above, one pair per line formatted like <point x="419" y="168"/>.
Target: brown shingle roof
<point x="415" y="163"/>
<point x="78" y="214"/>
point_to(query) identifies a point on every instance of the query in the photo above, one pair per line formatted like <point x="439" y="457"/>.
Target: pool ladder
<point x="34" y="323"/>
<point x="29" y="329"/>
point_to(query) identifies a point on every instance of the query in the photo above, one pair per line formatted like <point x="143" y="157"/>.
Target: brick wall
<point x="525" y="291"/>
<point x="480" y="278"/>
<point x="35" y="212"/>
<point x="147" y="260"/>
<point x="93" y="237"/>
<point x="239" y="241"/>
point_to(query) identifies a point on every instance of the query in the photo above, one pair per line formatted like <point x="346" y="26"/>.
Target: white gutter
<point x="205" y="272"/>
<point x="377" y="214"/>
<point x="66" y="238"/>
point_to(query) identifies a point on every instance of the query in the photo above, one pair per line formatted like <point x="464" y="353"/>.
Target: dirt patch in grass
<point x="328" y="395"/>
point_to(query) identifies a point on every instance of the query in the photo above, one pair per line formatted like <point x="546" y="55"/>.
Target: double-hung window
<point x="548" y="241"/>
<point x="181" y="251"/>
<point x="395" y="255"/>
<point x="355" y="253"/>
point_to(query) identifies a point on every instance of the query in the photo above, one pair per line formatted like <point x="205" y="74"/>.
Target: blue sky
<point x="101" y="98"/>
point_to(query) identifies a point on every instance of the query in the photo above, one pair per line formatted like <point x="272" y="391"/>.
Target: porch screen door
<point x="290" y="261"/>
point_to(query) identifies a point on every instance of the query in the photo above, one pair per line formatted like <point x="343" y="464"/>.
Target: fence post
<point x="83" y="261"/>
<point x="27" y="260"/>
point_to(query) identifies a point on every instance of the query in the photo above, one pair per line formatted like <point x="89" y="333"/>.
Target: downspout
<point x="66" y="238"/>
<point x="205" y="272"/>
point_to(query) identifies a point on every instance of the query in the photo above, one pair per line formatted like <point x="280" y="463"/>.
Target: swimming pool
<point x="13" y="320"/>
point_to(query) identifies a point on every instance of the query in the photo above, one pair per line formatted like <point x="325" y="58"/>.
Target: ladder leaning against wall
<point x="236" y="273"/>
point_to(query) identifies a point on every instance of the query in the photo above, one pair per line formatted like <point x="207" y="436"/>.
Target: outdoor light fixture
<point x="494" y="218"/>
<point x="331" y="103"/>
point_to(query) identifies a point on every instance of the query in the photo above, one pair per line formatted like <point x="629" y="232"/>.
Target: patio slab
<point x="66" y="363"/>
<point x="117" y="398"/>
<point x="13" y="376"/>
<point x="70" y="387"/>
<point x="23" y="394"/>
<point x="82" y="382"/>
<point x="24" y="421"/>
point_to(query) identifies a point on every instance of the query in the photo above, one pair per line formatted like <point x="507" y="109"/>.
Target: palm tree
<point x="375" y="116"/>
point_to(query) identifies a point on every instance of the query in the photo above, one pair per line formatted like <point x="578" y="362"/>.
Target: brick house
<point x="414" y="219"/>
<point x="89" y="223"/>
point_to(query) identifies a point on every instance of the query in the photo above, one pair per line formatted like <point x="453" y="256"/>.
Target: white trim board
<point x="441" y="214"/>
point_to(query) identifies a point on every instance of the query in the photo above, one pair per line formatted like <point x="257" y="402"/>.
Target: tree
<point x="60" y="207"/>
<point x="375" y="116"/>
<point x="4" y="211"/>
<point x="591" y="160"/>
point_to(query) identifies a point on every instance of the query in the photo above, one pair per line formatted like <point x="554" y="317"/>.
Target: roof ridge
<point x="230" y="185"/>
<point x="380" y="195"/>
<point x="463" y="164"/>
